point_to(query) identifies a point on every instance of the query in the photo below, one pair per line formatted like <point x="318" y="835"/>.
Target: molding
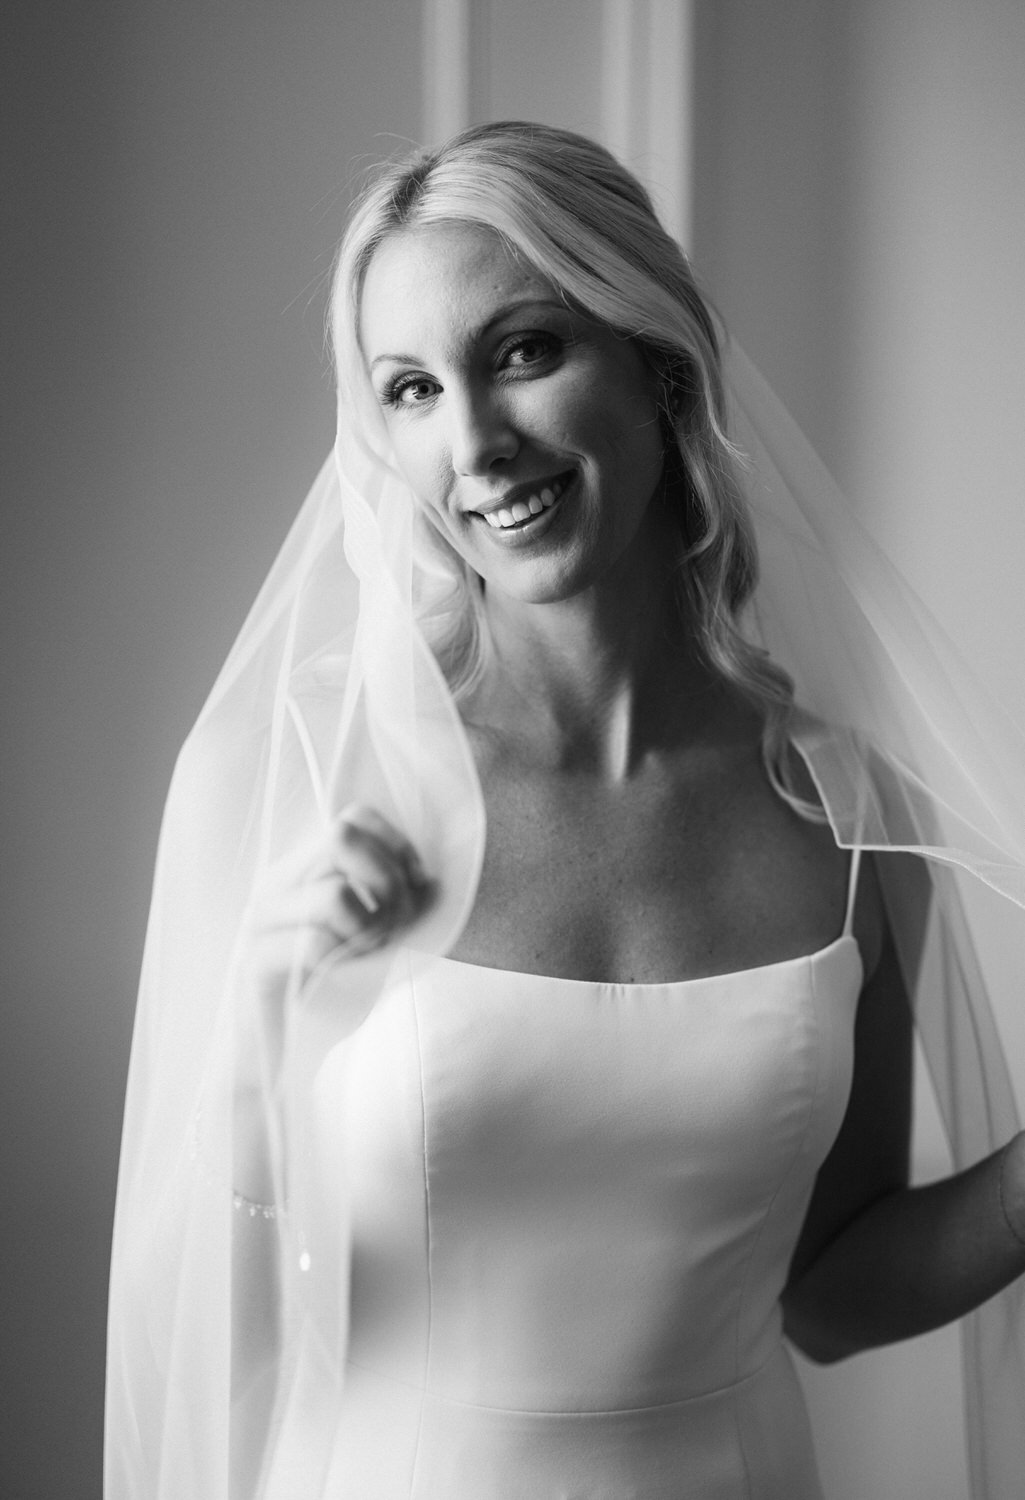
<point x="671" y="108"/>
<point x="647" y="97"/>
<point x="447" y="51"/>
<point x="646" y="86"/>
<point x="622" y="22"/>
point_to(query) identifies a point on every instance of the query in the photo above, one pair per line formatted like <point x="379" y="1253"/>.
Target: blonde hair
<point x="565" y="206"/>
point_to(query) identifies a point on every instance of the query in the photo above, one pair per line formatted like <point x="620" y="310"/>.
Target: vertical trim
<point x="647" y="97"/>
<point x="447" y="44"/>
<point x="619" y="29"/>
<point x="646" y="87"/>
<point x="670" y="99"/>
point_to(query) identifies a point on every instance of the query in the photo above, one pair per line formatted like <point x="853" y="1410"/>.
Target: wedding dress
<point x="573" y="1207"/>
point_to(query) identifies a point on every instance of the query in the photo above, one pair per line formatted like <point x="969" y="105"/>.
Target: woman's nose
<point x="481" y="433"/>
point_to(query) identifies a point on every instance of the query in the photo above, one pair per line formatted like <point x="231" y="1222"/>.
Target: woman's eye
<point x="410" y="390"/>
<point x="531" y="350"/>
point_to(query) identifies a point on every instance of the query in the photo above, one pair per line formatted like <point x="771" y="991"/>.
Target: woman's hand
<point x="350" y="894"/>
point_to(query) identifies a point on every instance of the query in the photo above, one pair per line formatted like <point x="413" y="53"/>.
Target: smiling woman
<point x="513" y="397"/>
<point x="524" y="1046"/>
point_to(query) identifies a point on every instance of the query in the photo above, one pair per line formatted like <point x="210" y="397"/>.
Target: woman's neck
<point x="597" y="682"/>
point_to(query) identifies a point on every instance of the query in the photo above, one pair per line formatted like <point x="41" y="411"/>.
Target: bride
<point x="486" y="1166"/>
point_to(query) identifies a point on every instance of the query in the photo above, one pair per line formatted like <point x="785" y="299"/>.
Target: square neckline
<point x="840" y="942"/>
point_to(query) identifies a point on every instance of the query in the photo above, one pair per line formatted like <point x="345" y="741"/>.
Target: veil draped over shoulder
<point x="229" y="1290"/>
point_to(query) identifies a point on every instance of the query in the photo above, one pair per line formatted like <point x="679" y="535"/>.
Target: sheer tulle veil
<point x="227" y="1328"/>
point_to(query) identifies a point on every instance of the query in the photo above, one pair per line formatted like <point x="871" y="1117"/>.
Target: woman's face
<point x="528" y="432"/>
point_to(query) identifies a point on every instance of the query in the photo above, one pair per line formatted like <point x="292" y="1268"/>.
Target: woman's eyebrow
<point x="507" y="311"/>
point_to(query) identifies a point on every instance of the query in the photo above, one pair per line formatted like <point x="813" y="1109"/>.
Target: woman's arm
<point x="877" y="1260"/>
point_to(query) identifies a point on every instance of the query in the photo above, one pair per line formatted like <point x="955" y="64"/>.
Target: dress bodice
<point x="574" y="1210"/>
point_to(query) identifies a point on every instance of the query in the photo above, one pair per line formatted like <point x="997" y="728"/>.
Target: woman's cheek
<point x="423" y="474"/>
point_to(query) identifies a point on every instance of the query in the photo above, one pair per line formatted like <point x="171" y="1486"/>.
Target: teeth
<point x="522" y="510"/>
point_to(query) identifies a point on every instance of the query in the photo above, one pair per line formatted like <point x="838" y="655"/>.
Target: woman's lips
<point x="523" y="512"/>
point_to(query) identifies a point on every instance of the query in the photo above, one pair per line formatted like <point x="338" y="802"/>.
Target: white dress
<point x="575" y="1206"/>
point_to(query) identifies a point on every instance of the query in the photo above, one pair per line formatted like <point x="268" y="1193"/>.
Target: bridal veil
<point x="227" y="1329"/>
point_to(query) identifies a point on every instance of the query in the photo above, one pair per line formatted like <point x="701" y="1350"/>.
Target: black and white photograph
<point x="514" y="755"/>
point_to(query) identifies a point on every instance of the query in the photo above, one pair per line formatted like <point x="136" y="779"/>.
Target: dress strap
<point x="852" y="891"/>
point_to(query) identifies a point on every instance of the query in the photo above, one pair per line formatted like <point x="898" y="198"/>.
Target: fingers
<point x="341" y="904"/>
<point x="358" y="833"/>
<point x="363" y="827"/>
<point x="351" y="891"/>
<point x="380" y="869"/>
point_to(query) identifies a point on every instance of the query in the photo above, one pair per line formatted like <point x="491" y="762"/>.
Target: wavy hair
<point x="566" y="207"/>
